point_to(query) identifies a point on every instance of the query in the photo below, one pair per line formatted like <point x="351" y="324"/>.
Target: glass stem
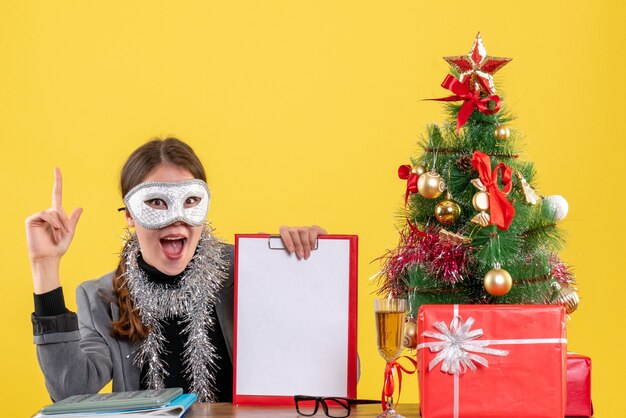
<point x="390" y="403"/>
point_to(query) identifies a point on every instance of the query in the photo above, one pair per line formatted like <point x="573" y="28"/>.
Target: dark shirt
<point x="175" y="340"/>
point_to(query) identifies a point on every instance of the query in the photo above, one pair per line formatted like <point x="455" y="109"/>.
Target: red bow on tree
<point x="406" y="172"/>
<point x="501" y="210"/>
<point x="472" y="100"/>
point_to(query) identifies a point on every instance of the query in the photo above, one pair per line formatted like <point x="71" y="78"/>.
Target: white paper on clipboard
<point x="295" y="320"/>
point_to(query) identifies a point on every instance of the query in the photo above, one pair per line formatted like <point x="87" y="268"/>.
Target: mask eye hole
<point x="156" y="204"/>
<point x="192" y="201"/>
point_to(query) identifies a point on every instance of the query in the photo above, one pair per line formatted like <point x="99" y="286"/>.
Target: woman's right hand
<point x="48" y="235"/>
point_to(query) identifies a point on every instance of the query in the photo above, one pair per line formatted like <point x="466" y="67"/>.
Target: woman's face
<point x="170" y="248"/>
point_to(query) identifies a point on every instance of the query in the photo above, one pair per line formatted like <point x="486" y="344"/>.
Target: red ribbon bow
<point x="389" y="384"/>
<point x="405" y="172"/>
<point x="472" y="100"/>
<point x="501" y="210"/>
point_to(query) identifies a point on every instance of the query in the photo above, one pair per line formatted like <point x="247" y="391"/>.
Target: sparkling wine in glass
<point x="390" y="318"/>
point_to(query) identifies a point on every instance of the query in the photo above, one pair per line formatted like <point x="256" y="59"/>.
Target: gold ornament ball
<point x="502" y="133"/>
<point x="419" y="170"/>
<point x="447" y="212"/>
<point x="430" y="185"/>
<point x="498" y="282"/>
<point x="481" y="201"/>
<point x="409" y="340"/>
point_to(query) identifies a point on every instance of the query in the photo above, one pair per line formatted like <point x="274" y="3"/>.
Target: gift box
<point x="492" y="361"/>
<point x="578" y="386"/>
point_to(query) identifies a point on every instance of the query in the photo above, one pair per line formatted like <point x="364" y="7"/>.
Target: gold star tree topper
<point x="476" y="69"/>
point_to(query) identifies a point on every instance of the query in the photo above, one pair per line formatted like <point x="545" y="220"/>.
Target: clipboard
<point x="295" y="321"/>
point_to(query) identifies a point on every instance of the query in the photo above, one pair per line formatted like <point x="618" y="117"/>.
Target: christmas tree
<point x="474" y="229"/>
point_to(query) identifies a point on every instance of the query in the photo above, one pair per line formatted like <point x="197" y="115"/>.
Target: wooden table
<point x="228" y="410"/>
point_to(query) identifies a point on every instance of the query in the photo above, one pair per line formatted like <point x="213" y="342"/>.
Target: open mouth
<point x="173" y="246"/>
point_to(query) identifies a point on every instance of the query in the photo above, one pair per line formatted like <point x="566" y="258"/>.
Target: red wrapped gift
<point x="492" y="361"/>
<point x="578" y="386"/>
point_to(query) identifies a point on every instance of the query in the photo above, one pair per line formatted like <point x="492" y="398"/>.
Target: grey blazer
<point x="84" y="360"/>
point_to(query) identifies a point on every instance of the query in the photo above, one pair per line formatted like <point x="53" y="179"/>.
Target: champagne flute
<point x="390" y="318"/>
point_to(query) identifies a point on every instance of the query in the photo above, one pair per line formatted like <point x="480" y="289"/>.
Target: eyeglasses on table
<point x="333" y="407"/>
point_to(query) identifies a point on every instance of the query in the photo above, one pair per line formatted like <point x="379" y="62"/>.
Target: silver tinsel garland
<point x="193" y="299"/>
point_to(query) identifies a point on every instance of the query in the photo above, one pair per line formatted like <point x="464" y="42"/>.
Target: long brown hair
<point x="139" y="164"/>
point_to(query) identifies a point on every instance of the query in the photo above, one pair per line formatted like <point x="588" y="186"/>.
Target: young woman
<point x="164" y="318"/>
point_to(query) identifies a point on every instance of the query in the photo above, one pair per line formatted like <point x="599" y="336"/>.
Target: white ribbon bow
<point x="458" y="345"/>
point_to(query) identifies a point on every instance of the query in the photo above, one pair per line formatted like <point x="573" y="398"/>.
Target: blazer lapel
<point x="127" y="349"/>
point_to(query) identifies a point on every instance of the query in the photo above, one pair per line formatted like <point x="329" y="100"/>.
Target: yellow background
<point x="302" y="112"/>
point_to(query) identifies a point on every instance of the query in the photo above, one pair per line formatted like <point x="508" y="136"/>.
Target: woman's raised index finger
<point x="57" y="190"/>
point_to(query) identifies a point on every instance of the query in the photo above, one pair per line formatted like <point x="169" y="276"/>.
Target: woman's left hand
<point x="300" y="239"/>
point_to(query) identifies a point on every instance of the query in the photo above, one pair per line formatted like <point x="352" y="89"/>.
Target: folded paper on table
<point x="491" y="361"/>
<point x="295" y="320"/>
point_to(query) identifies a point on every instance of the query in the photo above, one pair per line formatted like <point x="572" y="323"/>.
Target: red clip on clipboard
<point x="295" y="320"/>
